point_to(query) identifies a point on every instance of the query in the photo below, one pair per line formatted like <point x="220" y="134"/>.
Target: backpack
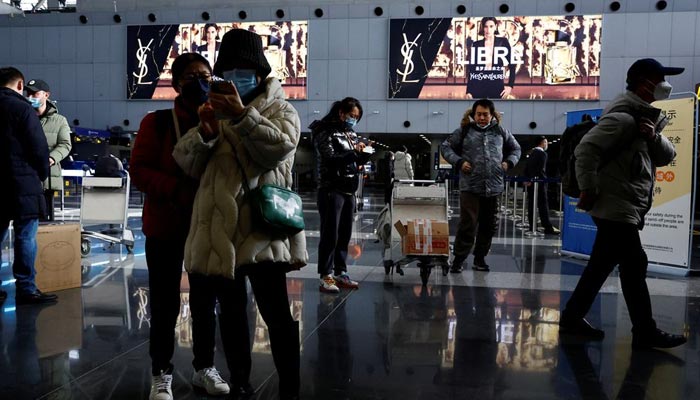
<point x="567" y="159"/>
<point x="109" y="167"/>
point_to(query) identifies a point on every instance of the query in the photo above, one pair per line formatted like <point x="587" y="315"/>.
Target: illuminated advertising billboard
<point x="519" y="58"/>
<point x="151" y="50"/>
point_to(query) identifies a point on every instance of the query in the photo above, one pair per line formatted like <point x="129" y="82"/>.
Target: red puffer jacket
<point x="169" y="192"/>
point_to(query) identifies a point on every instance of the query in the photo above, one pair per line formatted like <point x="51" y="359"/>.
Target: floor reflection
<point x="481" y="336"/>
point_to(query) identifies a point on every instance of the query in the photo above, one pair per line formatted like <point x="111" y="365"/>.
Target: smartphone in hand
<point x="222" y="87"/>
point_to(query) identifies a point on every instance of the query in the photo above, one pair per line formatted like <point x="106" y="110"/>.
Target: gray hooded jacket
<point x="485" y="149"/>
<point x="625" y="184"/>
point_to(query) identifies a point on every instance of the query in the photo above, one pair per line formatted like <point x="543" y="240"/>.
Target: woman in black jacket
<point x="339" y="155"/>
<point x="488" y="60"/>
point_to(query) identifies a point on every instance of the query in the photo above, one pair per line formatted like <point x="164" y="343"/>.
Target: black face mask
<point x="196" y="92"/>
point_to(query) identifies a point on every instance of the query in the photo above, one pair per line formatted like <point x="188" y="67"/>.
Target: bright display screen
<point x="153" y="48"/>
<point x="521" y="58"/>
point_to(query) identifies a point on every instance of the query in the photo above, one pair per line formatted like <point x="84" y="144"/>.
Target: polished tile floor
<point x="469" y="336"/>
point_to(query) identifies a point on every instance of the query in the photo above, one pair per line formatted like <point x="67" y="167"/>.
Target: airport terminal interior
<point x="412" y="330"/>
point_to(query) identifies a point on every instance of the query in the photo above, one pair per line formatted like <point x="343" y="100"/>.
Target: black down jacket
<point x="24" y="158"/>
<point x="336" y="159"/>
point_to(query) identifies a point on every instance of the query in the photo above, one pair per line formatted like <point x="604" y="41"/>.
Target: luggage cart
<point x="105" y="201"/>
<point x="360" y="192"/>
<point x="416" y="199"/>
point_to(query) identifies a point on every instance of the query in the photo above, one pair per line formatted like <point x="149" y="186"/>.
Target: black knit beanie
<point x="240" y="45"/>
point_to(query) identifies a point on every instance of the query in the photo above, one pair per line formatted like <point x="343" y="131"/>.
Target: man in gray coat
<point x="482" y="150"/>
<point x="616" y="168"/>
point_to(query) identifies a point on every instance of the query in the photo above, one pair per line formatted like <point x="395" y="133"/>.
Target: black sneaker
<point x="480" y="265"/>
<point x="456" y="266"/>
<point x="580" y="328"/>
<point x="552" y="231"/>
<point x="657" y="339"/>
<point x="36" y="298"/>
<point x="245" y="391"/>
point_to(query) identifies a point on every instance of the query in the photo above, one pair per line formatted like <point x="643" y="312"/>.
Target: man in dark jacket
<point x="535" y="168"/>
<point x="57" y="134"/>
<point x="23" y="166"/>
<point x="618" y="194"/>
<point x="481" y="150"/>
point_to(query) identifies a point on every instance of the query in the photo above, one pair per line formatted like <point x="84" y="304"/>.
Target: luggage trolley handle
<point x="426" y="181"/>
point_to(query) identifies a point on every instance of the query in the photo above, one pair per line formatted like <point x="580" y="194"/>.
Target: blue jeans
<point x="25" y="253"/>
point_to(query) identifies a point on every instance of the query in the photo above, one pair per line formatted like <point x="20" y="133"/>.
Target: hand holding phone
<point x="225" y="100"/>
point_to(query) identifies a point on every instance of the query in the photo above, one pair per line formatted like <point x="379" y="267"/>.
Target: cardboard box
<point x="424" y="237"/>
<point x="58" y="257"/>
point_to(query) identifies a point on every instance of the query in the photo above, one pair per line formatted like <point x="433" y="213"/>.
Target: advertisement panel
<point x="666" y="234"/>
<point x="577" y="230"/>
<point x="526" y="58"/>
<point x="151" y="50"/>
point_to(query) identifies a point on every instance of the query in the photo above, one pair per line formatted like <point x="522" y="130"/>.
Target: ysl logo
<point x="143" y="68"/>
<point x="407" y="54"/>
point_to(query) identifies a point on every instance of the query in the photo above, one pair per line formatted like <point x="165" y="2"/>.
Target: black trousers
<point x="616" y="243"/>
<point x="231" y="295"/>
<point x="542" y="205"/>
<point x="478" y="220"/>
<point x="269" y="286"/>
<point x="164" y="260"/>
<point x="336" y="211"/>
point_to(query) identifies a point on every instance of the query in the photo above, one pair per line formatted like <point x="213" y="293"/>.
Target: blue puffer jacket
<point x="24" y="158"/>
<point x="485" y="149"/>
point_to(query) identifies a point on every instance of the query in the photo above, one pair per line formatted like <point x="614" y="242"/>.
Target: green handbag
<point x="276" y="210"/>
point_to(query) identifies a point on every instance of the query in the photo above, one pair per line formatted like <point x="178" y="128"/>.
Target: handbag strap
<point x="177" y="126"/>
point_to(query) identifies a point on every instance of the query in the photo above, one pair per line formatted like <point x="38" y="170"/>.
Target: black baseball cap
<point x="36" y="85"/>
<point x="648" y="67"/>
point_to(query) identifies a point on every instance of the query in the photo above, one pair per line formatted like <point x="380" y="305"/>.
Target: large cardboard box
<point x="58" y="257"/>
<point x="424" y="237"/>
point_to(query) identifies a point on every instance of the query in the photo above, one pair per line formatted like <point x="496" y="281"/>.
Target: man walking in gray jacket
<point x="482" y="150"/>
<point x="616" y="167"/>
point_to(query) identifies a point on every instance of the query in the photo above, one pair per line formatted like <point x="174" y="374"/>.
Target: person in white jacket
<point x="403" y="169"/>
<point x="246" y="127"/>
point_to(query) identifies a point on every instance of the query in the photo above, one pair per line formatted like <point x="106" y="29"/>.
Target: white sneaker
<point x="210" y="380"/>
<point x="327" y="285"/>
<point x="161" y="387"/>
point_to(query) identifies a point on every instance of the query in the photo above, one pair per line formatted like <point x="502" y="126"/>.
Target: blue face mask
<point x="196" y="91"/>
<point x="245" y="80"/>
<point x="350" y="122"/>
<point x="36" y="102"/>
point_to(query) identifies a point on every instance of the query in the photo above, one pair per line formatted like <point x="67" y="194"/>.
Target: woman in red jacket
<point x="166" y="217"/>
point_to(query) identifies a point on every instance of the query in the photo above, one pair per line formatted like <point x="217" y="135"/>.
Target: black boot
<point x="284" y="343"/>
<point x="235" y="336"/>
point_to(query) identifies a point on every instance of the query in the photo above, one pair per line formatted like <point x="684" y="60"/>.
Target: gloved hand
<point x="587" y="200"/>
<point x="647" y="128"/>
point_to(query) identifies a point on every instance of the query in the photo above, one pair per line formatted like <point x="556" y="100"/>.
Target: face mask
<point x="483" y="126"/>
<point x="35" y="101"/>
<point x="662" y="91"/>
<point x="196" y="91"/>
<point x="245" y="80"/>
<point x="350" y="122"/>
